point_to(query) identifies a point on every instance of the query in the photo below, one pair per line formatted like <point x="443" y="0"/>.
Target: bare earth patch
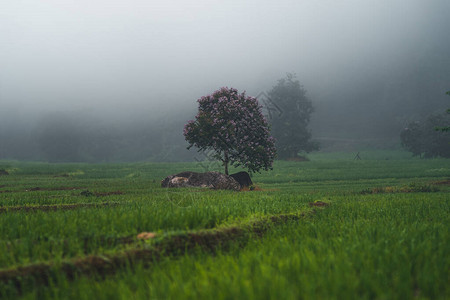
<point x="146" y="235"/>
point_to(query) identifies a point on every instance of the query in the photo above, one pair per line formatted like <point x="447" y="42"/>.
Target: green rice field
<point x="329" y="228"/>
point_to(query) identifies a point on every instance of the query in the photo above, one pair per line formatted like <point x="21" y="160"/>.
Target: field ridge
<point x="54" y="207"/>
<point x="170" y="245"/>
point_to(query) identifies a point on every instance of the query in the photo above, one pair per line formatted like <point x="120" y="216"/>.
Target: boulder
<point x="212" y="180"/>
<point x="243" y="178"/>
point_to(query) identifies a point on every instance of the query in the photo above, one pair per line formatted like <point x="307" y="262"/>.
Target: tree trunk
<point x="225" y="162"/>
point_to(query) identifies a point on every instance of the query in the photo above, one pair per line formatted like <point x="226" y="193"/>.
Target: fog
<point x="137" y="67"/>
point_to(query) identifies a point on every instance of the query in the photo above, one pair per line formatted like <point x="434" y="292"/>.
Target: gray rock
<point x="212" y="180"/>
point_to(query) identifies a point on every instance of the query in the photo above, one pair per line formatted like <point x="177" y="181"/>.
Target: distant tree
<point x="68" y="137"/>
<point x="446" y="128"/>
<point x="233" y="126"/>
<point x="59" y="138"/>
<point x="290" y="127"/>
<point x="412" y="137"/>
<point x="421" y="138"/>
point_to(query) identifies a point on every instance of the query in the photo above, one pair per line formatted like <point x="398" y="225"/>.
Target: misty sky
<point x="135" y="54"/>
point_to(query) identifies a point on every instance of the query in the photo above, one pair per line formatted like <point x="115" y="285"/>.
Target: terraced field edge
<point x="175" y="244"/>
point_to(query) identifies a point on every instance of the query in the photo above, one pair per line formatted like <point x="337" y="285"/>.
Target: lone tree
<point x="233" y="126"/>
<point x="290" y="127"/>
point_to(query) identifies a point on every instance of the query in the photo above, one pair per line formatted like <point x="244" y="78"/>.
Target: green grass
<point x="360" y="249"/>
<point x="385" y="234"/>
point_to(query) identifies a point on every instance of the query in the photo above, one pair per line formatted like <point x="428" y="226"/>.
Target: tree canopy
<point x="421" y="138"/>
<point x="445" y="128"/>
<point x="290" y="127"/>
<point x="232" y="124"/>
